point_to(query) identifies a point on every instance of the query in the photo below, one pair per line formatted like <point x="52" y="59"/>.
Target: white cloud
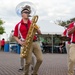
<point x="49" y="10"/>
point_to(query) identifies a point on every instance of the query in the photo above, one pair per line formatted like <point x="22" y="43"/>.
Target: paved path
<point x="53" y="64"/>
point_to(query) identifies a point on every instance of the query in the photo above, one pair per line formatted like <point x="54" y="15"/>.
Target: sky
<point x="47" y="10"/>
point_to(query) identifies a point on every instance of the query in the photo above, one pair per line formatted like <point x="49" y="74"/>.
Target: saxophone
<point x="29" y="39"/>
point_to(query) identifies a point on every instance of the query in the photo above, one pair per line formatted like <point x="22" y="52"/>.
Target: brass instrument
<point x="29" y="39"/>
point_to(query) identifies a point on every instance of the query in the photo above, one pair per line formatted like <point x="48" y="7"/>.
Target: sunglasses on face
<point x="25" y="12"/>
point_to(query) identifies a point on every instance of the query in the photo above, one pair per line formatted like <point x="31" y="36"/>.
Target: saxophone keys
<point x="24" y="52"/>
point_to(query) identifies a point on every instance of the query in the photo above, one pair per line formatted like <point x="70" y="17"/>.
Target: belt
<point x="73" y="42"/>
<point x="34" y="40"/>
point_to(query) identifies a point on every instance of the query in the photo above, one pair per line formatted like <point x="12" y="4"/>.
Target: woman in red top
<point x="2" y="44"/>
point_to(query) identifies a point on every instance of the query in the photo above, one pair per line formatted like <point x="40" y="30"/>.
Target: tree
<point x="2" y="30"/>
<point x="64" y="23"/>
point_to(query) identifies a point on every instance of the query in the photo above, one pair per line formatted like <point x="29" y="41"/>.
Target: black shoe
<point x="32" y="68"/>
<point x="21" y="69"/>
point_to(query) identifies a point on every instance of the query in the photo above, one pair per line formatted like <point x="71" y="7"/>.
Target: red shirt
<point x="2" y="42"/>
<point x="23" y="29"/>
<point x="73" y="34"/>
<point x="65" y="33"/>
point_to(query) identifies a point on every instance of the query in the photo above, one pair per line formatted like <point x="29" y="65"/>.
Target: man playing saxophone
<point x="24" y="26"/>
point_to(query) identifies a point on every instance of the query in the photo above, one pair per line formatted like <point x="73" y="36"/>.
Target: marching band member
<point x="35" y="49"/>
<point x="71" y="31"/>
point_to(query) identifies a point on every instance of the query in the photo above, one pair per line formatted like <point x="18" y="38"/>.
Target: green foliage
<point x="64" y="23"/>
<point x="2" y="30"/>
<point x="1" y="22"/>
<point x="56" y="40"/>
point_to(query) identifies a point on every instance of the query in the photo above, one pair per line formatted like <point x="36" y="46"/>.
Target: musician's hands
<point x="38" y="31"/>
<point x="21" y="42"/>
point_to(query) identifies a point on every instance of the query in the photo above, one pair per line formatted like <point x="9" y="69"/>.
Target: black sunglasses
<point x="25" y="12"/>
